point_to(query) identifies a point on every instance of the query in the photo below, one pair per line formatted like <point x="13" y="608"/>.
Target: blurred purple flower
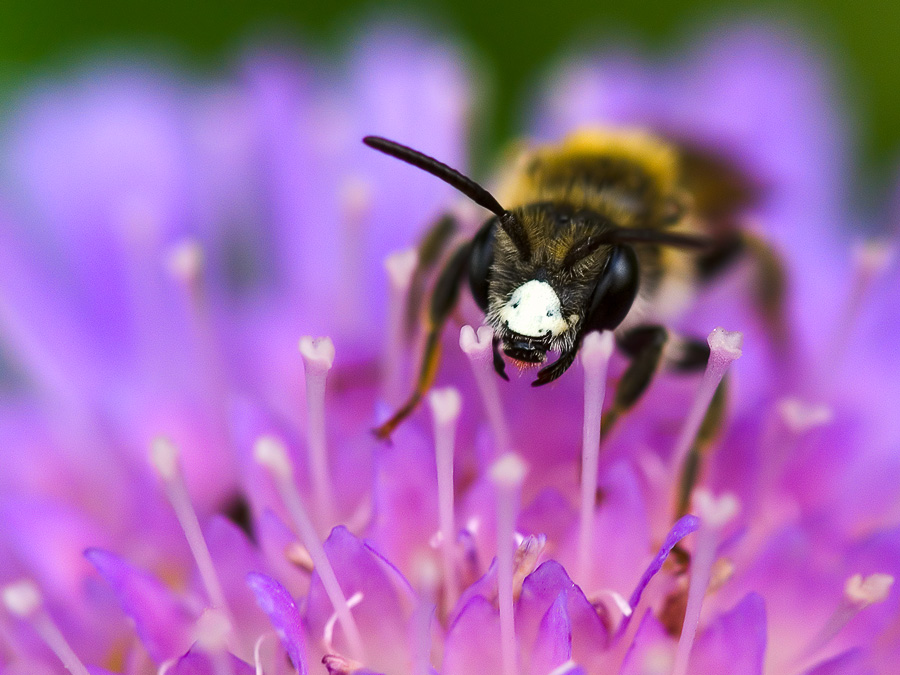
<point x="166" y="242"/>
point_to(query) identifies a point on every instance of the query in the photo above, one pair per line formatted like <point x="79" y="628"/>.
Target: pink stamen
<point x="428" y="579"/>
<point x="318" y="358"/>
<point x="479" y="348"/>
<point x="508" y="474"/>
<point x="859" y="593"/>
<point x="356" y="206"/>
<point x="400" y="267"/>
<point x="871" y="260"/>
<point x="23" y="599"/>
<point x="725" y="348"/>
<point x="272" y="455"/>
<point x="714" y="514"/>
<point x="445" y="408"/>
<point x="165" y="459"/>
<point x="595" y="353"/>
<point x="212" y="633"/>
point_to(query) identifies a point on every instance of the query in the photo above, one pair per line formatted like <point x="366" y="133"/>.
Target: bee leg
<point x="644" y="345"/>
<point x="499" y="363"/>
<point x="443" y="300"/>
<point x="558" y="367"/>
<point x="769" y="284"/>
<point x="429" y="251"/>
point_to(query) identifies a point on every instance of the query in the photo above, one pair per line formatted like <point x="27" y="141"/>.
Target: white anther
<point x="445" y="405"/>
<point x="212" y="630"/>
<point x="715" y="511"/>
<point x="164" y="457"/>
<point x="474" y="344"/>
<point x="400" y="267"/>
<point x="726" y="344"/>
<point x="22" y="598"/>
<point x="509" y="471"/>
<point x="800" y="416"/>
<point x="596" y="349"/>
<point x="271" y="453"/>
<point x="185" y="260"/>
<point x="864" y="591"/>
<point x="317" y="353"/>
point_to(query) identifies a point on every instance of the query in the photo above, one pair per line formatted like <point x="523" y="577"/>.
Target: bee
<point x="608" y="230"/>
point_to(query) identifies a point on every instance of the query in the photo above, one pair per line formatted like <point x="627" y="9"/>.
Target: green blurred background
<point x="511" y="41"/>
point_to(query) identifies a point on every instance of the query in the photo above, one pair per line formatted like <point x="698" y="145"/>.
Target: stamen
<point x="870" y="259"/>
<point x="23" y="599"/>
<point x="328" y="630"/>
<point x="508" y="474"/>
<point x="211" y="633"/>
<point x="480" y="350"/>
<point x="164" y="457"/>
<point x="859" y="593"/>
<point x="400" y="267"/>
<point x="799" y="416"/>
<point x="714" y="515"/>
<point x="595" y="353"/>
<point x="272" y="455"/>
<point x="185" y="262"/>
<point x="445" y="407"/>
<point x="318" y="358"/>
<point x="257" y="653"/>
<point x="725" y="347"/>
<point x="356" y="205"/>
<point x="428" y="579"/>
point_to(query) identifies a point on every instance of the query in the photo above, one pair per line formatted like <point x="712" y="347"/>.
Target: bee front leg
<point x="443" y="300"/>
<point x="499" y="363"/>
<point x="644" y="345"/>
<point x="558" y="367"/>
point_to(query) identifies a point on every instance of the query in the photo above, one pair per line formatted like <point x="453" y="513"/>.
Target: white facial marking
<point x="533" y="310"/>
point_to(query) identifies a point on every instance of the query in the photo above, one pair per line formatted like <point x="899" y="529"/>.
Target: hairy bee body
<point x="607" y="230"/>
<point x="592" y="182"/>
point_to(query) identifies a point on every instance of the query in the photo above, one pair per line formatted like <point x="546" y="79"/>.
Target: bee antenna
<point x="637" y="236"/>
<point x="451" y="176"/>
<point x="464" y="184"/>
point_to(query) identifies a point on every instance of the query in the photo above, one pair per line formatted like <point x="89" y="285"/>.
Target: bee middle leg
<point x="646" y="348"/>
<point x="443" y="300"/>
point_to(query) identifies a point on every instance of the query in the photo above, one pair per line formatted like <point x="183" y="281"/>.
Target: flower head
<point x="190" y="484"/>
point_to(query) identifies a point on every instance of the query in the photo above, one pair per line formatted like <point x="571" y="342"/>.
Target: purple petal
<point x="384" y="613"/>
<point x="679" y="531"/>
<point x="235" y="557"/>
<point x="405" y="500"/>
<point x="197" y="663"/>
<point x="735" y="643"/>
<point x="650" y="645"/>
<point x="473" y="639"/>
<point x="161" y="621"/>
<point x="553" y="645"/>
<point x="851" y="662"/>
<point x="282" y="611"/>
<point x="540" y="591"/>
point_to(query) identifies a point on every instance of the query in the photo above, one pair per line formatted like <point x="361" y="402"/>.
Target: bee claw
<point x="499" y="364"/>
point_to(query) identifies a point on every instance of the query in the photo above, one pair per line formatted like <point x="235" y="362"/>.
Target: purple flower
<point x="184" y="491"/>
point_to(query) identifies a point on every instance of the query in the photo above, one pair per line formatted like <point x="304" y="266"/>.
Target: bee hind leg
<point x="443" y="300"/>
